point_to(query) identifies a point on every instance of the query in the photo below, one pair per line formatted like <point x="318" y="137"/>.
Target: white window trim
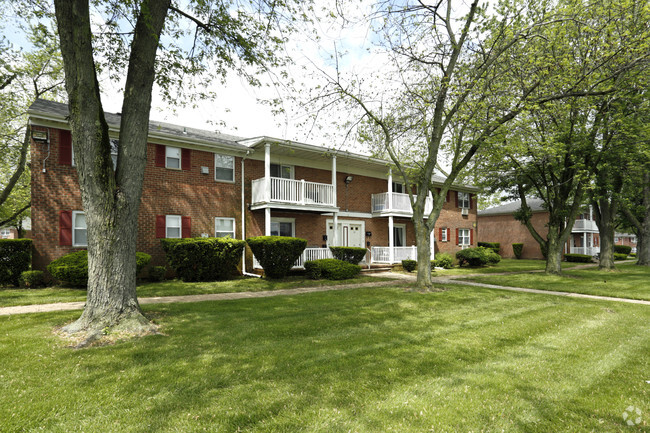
<point x="286" y="220"/>
<point x="234" y="173"/>
<point x="180" y="226"/>
<point x="292" y="169"/>
<point x="469" y="237"/>
<point x="444" y="236"/>
<point x="74" y="229"/>
<point x="403" y="228"/>
<point x="180" y="158"/>
<point x="461" y="203"/>
<point x="5" y="233"/>
<point x="234" y="226"/>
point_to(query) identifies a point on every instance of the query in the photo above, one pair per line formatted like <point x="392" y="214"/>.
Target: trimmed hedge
<point x="331" y="269"/>
<point x="443" y="260"/>
<point x="478" y="256"/>
<point x="157" y="273"/>
<point x="15" y="258"/>
<point x="620" y="256"/>
<point x="203" y="259"/>
<point x="579" y="258"/>
<point x="73" y="268"/>
<point x="349" y="254"/>
<point x="276" y="254"/>
<point x="409" y="265"/>
<point x="623" y="249"/>
<point x="494" y="246"/>
<point x="517" y="249"/>
<point x="31" y="279"/>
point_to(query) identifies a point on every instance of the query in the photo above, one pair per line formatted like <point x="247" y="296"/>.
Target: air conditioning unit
<point x="464" y="211"/>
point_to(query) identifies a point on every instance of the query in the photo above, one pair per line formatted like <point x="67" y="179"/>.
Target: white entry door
<point x="350" y="233"/>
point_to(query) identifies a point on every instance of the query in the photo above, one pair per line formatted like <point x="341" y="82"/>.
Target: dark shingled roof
<point x="535" y="205"/>
<point x="60" y="110"/>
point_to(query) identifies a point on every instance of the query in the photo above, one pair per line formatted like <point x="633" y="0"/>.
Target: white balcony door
<point x="399" y="235"/>
<point x="350" y="233"/>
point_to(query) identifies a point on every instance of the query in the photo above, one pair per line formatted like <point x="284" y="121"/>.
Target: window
<point x="173" y="157"/>
<point x="463" y="237"/>
<point x="463" y="200"/>
<point x="224" y="168"/>
<point x="79" y="229"/>
<point x="114" y="144"/>
<point x="283" y="171"/>
<point x="173" y="226"/>
<point x="283" y="227"/>
<point x="399" y="235"/>
<point x="615" y="240"/>
<point x="5" y="233"/>
<point x="443" y="235"/>
<point x="398" y="187"/>
<point x="224" y="227"/>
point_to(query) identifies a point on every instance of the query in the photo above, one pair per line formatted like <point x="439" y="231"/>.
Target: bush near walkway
<point x="73" y="268"/>
<point x="276" y="254"/>
<point x="203" y="259"/>
<point x="15" y="258"/>
<point x="331" y="269"/>
<point x="479" y="256"/>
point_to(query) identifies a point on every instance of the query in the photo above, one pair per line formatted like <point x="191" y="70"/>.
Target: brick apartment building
<point x="499" y="225"/>
<point x="202" y="183"/>
<point x="626" y="239"/>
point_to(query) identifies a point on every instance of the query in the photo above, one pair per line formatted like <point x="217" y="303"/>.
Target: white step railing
<point x="308" y="254"/>
<point x="292" y="191"/>
<point x="590" y="251"/>
<point x="400" y="203"/>
<point x="382" y="254"/>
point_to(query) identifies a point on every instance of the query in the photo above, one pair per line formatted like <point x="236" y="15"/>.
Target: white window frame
<point x="5" y="233"/>
<point x="292" y="172"/>
<point x="232" y="158"/>
<point x="168" y="226"/>
<point x="464" y="237"/>
<point x="233" y="227"/>
<point x="401" y="185"/>
<point x="443" y="238"/>
<point x="167" y="157"/>
<point x="74" y="229"/>
<point x="284" y="220"/>
<point x="401" y="227"/>
<point x="465" y="200"/>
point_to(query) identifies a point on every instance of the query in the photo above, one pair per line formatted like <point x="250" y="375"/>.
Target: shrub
<point x="157" y="273"/>
<point x="517" y="249"/>
<point x="632" y="254"/>
<point x="478" y="256"/>
<point x="331" y="269"/>
<point x="443" y="260"/>
<point x="73" y="268"/>
<point x="31" y="279"/>
<point x="203" y="259"/>
<point x="620" y="256"/>
<point x="409" y="265"/>
<point x="494" y="246"/>
<point x="276" y="254"/>
<point x="622" y="249"/>
<point x="15" y="258"/>
<point x="349" y="254"/>
<point x="580" y="258"/>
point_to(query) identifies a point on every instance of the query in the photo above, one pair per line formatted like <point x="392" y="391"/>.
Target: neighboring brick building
<point x="625" y="239"/>
<point x="499" y="225"/>
<point x="193" y="187"/>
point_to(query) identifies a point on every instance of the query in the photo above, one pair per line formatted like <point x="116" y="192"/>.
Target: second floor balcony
<point x="584" y="225"/>
<point x="395" y="203"/>
<point x="293" y="194"/>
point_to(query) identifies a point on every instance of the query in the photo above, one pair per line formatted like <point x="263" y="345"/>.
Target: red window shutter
<point x="161" y="223"/>
<point x="448" y="234"/>
<point x="65" y="227"/>
<point x="457" y="238"/>
<point x="186" y="231"/>
<point x="160" y="156"/>
<point x="471" y="236"/>
<point x="440" y="235"/>
<point x="65" y="148"/>
<point x="186" y="159"/>
<point x="456" y="198"/>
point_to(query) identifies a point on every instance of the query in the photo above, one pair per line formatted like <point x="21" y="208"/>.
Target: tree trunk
<point x="423" y="237"/>
<point x="553" y="252"/>
<point x="605" y="221"/>
<point x="643" y="243"/>
<point x="110" y="198"/>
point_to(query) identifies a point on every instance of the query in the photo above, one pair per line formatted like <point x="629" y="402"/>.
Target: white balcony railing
<point x="292" y="191"/>
<point x="585" y="225"/>
<point x="400" y="203"/>
<point x="382" y="254"/>
<point x="590" y="251"/>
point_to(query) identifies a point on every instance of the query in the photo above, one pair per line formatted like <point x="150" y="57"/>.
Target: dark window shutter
<point x="160" y="156"/>
<point x="448" y="235"/>
<point x="471" y="236"/>
<point x="186" y="231"/>
<point x="65" y="227"/>
<point x="161" y="223"/>
<point x="65" y="148"/>
<point x="186" y="159"/>
<point x="456" y="198"/>
<point x="457" y="238"/>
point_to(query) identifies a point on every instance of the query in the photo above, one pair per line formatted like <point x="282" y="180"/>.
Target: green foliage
<point x="623" y="249"/>
<point x="479" y="256"/>
<point x="349" y="254"/>
<point x="331" y="269"/>
<point x="15" y="258"/>
<point x="71" y="269"/>
<point x="620" y="256"/>
<point x="443" y="260"/>
<point x="141" y="260"/>
<point x="409" y="265"/>
<point x="157" y="273"/>
<point x="203" y="259"/>
<point x="632" y="254"/>
<point x="517" y="250"/>
<point x="31" y="279"/>
<point x="580" y="258"/>
<point x="494" y="246"/>
<point x="276" y="254"/>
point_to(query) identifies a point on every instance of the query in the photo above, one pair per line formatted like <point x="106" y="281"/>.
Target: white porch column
<point x="267" y="221"/>
<point x="334" y="178"/>
<point x="432" y="245"/>
<point x="391" y="240"/>
<point x="584" y="242"/>
<point x="390" y="192"/>
<point x="335" y="232"/>
<point x="591" y="213"/>
<point x="267" y="174"/>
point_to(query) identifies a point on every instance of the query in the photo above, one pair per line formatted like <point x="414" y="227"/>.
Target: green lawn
<point x="505" y="265"/>
<point x="630" y="281"/>
<point x="365" y="360"/>
<point x="11" y="296"/>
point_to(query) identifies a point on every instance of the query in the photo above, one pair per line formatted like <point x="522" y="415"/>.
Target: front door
<point x="350" y="233"/>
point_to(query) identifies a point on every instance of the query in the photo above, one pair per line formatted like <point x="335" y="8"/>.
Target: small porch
<point x="584" y="243"/>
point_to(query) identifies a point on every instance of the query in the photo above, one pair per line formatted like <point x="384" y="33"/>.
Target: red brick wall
<point x="507" y="231"/>
<point x="450" y="217"/>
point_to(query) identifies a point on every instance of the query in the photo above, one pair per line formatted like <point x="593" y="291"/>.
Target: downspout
<point x="243" y="221"/>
